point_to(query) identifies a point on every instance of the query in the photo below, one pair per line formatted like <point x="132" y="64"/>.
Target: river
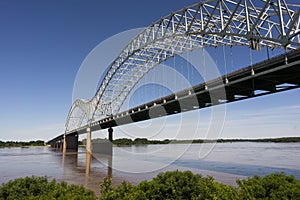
<point x="226" y="162"/>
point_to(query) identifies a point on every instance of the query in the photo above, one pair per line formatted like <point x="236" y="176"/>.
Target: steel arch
<point x="210" y="23"/>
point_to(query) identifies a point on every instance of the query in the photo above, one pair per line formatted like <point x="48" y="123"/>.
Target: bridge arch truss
<point x="252" y="23"/>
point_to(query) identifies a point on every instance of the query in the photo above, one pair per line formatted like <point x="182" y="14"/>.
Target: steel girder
<point x="250" y="23"/>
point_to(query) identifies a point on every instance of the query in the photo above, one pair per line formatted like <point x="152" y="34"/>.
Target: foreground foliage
<point x="168" y="185"/>
<point x="273" y="186"/>
<point x="39" y="188"/>
<point x="186" y="185"/>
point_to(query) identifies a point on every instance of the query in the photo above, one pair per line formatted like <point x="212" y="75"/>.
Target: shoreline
<point x="143" y="141"/>
<point x="5" y="147"/>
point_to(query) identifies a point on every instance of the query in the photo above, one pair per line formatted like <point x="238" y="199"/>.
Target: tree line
<point x="144" y="141"/>
<point x="139" y="141"/>
<point x="21" y="144"/>
<point x="127" y="141"/>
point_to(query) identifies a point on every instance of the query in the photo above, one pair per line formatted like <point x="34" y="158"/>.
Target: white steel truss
<point x="252" y="23"/>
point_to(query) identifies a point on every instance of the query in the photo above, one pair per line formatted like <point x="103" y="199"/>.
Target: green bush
<point x="273" y="186"/>
<point x="168" y="185"/>
<point x="186" y="185"/>
<point x="39" y="188"/>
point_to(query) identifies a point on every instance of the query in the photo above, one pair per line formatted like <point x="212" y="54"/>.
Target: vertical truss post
<point x="221" y="15"/>
<point x="281" y="18"/>
<point x="201" y="18"/>
<point x="247" y="17"/>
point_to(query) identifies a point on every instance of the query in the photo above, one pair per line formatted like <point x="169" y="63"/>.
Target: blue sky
<point x="43" y="43"/>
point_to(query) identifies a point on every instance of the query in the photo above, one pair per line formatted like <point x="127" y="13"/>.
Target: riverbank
<point x="11" y="144"/>
<point x="143" y="141"/>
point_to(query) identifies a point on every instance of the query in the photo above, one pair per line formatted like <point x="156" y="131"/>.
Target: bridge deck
<point x="278" y="74"/>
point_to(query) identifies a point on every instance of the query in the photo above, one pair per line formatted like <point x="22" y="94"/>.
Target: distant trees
<point x="145" y="141"/>
<point x="21" y="144"/>
<point x="276" y="140"/>
<point x="123" y="141"/>
<point x="139" y="141"/>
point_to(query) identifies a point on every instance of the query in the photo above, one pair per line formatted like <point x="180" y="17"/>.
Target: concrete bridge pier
<point x="88" y="145"/>
<point x="69" y="143"/>
<point x="65" y="144"/>
<point x="88" y="163"/>
<point x="110" y="143"/>
<point x="110" y="134"/>
<point x="57" y="145"/>
<point x="72" y="142"/>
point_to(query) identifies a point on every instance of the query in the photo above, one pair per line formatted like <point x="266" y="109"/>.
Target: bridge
<point x="255" y="24"/>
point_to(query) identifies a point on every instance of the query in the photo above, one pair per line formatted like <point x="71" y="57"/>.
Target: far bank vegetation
<point x="145" y="141"/>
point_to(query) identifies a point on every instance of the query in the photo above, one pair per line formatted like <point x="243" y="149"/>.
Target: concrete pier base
<point x="71" y="142"/>
<point x="88" y="140"/>
<point x="88" y="163"/>
<point x="65" y="144"/>
<point x="110" y="134"/>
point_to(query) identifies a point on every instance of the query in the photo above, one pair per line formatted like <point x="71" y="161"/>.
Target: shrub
<point x="39" y="188"/>
<point x="170" y="185"/>
<point x="273" y="186"/>
<point x="186" y="185"/>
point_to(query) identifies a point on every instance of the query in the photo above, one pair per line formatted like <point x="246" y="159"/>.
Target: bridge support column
<point x="110" y="134"/>
<point x="70" y="143"/>
<point x="88" y="140"/>
<point x="88" y="163"/>
<point x="110" y="143"/>
<point x="110" y="152"/>
<point x="65" y="144"/>
<point x="61" y="145"/>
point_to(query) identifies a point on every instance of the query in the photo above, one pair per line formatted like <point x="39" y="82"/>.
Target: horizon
<point x="287" y="137"/>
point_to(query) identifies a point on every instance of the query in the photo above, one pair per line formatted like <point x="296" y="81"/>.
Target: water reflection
<point x="88" y="163"/>
<point x="84" y="168"/>
<point x="104" y="159"/>
<point x="109" y="167"/>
